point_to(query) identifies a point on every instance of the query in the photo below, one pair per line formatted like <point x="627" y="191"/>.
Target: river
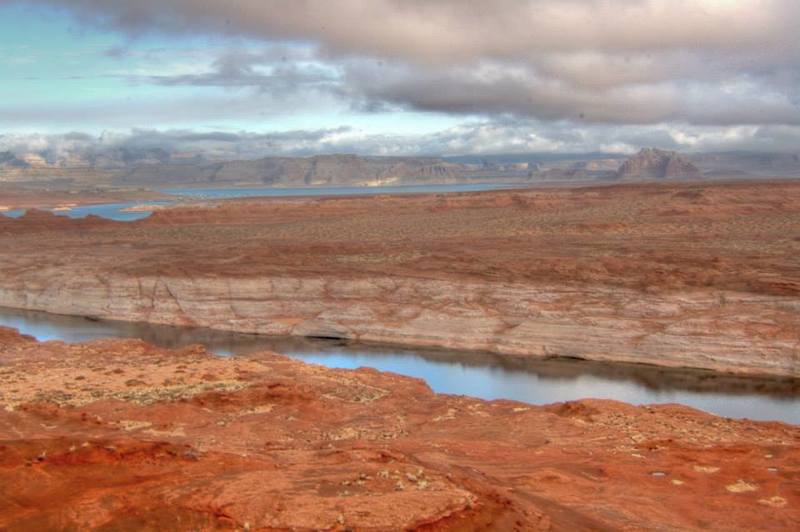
<point x="466" y="373"/>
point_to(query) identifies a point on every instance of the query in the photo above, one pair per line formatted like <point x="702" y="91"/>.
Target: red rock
<point x="674" y="274"/>
<point x="272" y="443"/>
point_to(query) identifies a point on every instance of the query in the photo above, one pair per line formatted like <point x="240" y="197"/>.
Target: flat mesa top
<point x="737" y="236"/>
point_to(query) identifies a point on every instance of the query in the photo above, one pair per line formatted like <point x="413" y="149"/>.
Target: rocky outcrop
<point x="122" y="435"/>
<point x="652" y="163"/>
<point x="684" y="329"/>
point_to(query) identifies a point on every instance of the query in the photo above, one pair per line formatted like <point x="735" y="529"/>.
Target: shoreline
<point x="266" y="441"/>
<point x="792" y="377"/>
<point x="668" y="378"/>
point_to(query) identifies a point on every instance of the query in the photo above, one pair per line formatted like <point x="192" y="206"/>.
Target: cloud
<point x="444" y="31"/>
<point x="688" y="67"/>
<point x="484" y="137"/>
<point x="494" y="89"/>
<point x="206" y="145"/>
<point x="705" y="62"/>
<point x="245" y="69"/>
<point x="123" y="111"/>
<point x="585" y="88"/>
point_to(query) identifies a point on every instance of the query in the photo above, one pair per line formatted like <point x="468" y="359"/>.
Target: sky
<point x="247" y="78"/>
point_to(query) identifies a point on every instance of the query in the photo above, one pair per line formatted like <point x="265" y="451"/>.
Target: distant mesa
<point x="651" y="163"/>
<point x="153" y="167"/>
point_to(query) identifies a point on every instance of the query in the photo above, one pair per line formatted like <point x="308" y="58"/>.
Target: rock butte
<point x="122" y="435"/>
<point x="703" y="275"/>
<point x="658" y="164"/>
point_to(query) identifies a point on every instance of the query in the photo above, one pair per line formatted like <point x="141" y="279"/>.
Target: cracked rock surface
<point x="118" y="434"/>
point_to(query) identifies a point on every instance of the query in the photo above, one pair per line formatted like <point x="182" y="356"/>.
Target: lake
<point x="118" y="211"/>
<point x="480" y="375"/>
<point x="229" y="193"/>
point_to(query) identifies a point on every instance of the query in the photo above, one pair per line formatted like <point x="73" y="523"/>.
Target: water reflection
<point x="476" y="374"/>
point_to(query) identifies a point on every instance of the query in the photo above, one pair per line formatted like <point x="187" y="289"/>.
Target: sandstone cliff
<point x="653" y="163"/>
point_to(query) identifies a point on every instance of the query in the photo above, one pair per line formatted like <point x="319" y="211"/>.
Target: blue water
<point x="13" y="213"/>
<point x="475" y="374"/>
<point x="110" y="211"/>
<point x="227" y="193"/>
<point x="114" y="211"/>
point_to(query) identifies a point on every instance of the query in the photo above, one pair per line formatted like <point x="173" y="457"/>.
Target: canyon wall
<point x="673" y="274"/>
<point x="725" y="331"/>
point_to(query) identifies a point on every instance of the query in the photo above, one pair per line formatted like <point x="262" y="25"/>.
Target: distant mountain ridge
<point x="155" y="167"/>
<point x="320" y="170"/>
<point x="748" y="163"/>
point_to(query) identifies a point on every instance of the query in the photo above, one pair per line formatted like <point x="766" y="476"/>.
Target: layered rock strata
<point x="594" y="322"/>
<point x="693" y="276"/>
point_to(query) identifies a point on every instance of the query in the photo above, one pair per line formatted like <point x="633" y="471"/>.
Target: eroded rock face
<point x="676" y="275"/>
<point x="592" y="322"/>
<point x="654" y="163"/>
<point x="123" y="435"/>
